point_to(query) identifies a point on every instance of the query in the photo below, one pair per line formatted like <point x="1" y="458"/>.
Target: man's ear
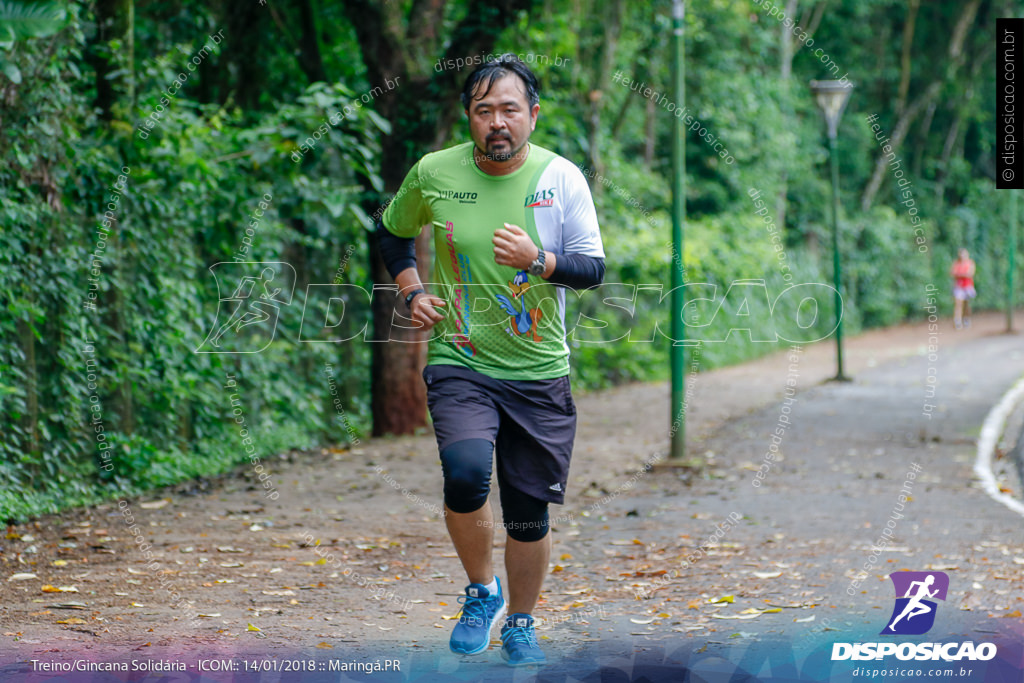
<point x="534" y="112"/>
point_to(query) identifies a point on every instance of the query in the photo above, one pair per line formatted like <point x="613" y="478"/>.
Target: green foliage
<point x="27" y="20"/>
<point x="74" y="380"/>
<point x="221" y="142"/>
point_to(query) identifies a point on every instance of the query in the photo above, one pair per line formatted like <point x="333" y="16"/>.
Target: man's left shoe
<point x="519" y="641"/>
<point x="480" y="612"/>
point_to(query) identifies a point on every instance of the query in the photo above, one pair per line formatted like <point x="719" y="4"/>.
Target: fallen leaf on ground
<point x="24" y="576"/>
<point x="71" y="620"/>
<point x="155" y="504"/>
<point x="68" y="605"/>
<point x="725" y="598"/>
<point x="767" y="575"/>
<point x="58" y="589"/>
<point x="754" y="610"/>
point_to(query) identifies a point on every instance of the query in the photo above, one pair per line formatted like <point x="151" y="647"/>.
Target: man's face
<point x="501" y="123"/>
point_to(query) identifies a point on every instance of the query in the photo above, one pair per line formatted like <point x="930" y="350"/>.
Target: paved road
<point x="801" y="538"/>
<point x="845" y="457"/>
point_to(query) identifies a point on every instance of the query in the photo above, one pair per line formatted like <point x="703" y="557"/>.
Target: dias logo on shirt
<point x="541" y="198"/>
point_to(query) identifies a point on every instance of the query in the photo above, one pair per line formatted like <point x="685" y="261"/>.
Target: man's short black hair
<point x="491" y="71"/>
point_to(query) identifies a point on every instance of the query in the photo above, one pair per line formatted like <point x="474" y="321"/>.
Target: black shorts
<point x="532" y="424"/>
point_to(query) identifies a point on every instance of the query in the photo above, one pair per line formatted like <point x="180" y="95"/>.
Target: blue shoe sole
<point x="498" y="616"/>
<point x="535" y="662"/>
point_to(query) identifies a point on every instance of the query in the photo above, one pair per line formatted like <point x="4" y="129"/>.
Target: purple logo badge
<point x="914" y="612"/>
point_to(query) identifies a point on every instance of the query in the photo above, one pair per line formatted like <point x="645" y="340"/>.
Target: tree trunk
<point x="309" y="50"/>
<point x="947" y="152"/>
<point x="927" y="96"/>
<point x="603" y="59"/>
<point x="115" y="76"/>
<point x="650" y="133"/>
<point x="243" y="48"/>
<point x="620" y="118"/>
<point x="785" y="73"/>
<point x="926" y="127"/>
<point x="31" y="419"/>
<point x="905" y="63"/>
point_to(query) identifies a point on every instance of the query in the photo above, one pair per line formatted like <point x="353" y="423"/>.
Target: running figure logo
<point x="254" y="303"/>
<point x="914" y="614"/>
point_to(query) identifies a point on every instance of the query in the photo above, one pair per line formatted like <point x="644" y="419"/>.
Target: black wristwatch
<point x="537" y="267"/>
<point x="412" y="295"/>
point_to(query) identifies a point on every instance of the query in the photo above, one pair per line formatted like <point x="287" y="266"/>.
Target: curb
<point x="991" y="431"/>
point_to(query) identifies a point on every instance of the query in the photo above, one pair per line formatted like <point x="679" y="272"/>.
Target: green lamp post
<point x="677" y="447"/>
<point x="832" y="97"/>
<point x="1011" y="265"/>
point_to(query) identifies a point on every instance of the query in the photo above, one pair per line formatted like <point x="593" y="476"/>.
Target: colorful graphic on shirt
<point x="460" y="304"/>
<point x="523" y="321"/>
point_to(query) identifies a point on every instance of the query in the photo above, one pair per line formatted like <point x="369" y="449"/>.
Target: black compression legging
<point x="467" y="482"/>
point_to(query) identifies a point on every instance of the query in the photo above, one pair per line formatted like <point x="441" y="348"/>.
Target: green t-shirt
<point x="499" y="321"/>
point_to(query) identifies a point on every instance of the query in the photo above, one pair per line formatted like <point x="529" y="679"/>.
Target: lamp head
<point x="832" y="97"/>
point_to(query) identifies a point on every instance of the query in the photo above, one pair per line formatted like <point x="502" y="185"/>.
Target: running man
<point x="914" y="606"/>
<point x="510" y="221"/>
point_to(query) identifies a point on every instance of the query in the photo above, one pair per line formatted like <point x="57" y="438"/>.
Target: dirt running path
<point x="243" y="562"/>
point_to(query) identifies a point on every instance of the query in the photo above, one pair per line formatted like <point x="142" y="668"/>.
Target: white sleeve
<point x="580" y="231"/>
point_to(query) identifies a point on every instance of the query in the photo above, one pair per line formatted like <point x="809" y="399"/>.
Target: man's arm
<point x="581" y="266"/>
<point x="513" y="247"/>
<point x="578" y="271"/>
<point x="399" y="254"/>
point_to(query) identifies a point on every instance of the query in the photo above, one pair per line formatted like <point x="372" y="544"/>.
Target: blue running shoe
<point x="480" y="612"/>
<point x="519" y="641"/>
